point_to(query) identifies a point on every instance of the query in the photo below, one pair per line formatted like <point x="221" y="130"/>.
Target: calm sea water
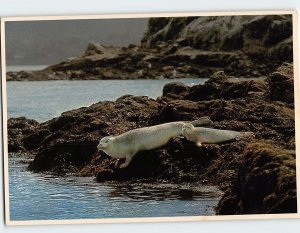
<point x="45" y="197"/>
<point x="43" y="100"/>
<point x="25" y="68"/>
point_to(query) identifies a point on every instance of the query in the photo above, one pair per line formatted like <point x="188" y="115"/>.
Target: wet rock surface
<point x="256" y="175"/>
<point x="241" y="46"/>
<point x="18" y="128"/>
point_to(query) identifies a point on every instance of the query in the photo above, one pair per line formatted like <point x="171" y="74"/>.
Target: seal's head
<point x="104" y="142"/>
<point x="187" y="129"/>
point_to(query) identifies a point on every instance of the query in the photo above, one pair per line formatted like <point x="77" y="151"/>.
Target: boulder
<point x="266" y="182"/>
<point x="18" y="128"/>
<point x="281" y="84"/>
<point x="175" y="90"/>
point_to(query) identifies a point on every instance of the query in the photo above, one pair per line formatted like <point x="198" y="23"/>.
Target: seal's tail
<point x="202" y="121"/>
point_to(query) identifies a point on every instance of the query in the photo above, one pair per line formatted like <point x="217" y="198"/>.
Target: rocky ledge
<point x="256" y="175"/>
<point x="247" y="46"/>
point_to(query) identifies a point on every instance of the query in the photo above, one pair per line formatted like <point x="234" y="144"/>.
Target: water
<point x="45" y="197"/>
<point x="44" y="100"/>
<point x="25" y="68"/>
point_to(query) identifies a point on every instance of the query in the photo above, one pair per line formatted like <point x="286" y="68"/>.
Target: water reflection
<point x="35" y="196"/>
<point x="162" y="192"/>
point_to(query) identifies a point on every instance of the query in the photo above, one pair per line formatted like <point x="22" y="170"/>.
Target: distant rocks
<point x="259" y="37"/>
<point x="217" y="87"/>
<point x="240" y="46"/>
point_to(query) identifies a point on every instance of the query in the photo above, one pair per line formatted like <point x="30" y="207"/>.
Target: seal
<point x="201" y="135"/>
<point x="128" y="144"/>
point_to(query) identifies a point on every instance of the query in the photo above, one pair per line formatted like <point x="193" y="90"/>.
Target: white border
<point x="146" y="15"/>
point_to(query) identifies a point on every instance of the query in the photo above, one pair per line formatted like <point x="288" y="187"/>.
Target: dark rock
<point x="33" y="140"/>
<point x="266" y="182"/>
<point x="64" y="156"/>
<point x="104" y="175"/>
<point x="244" y="89"/>
<point x="218" y="86"/>
<point x="241" y="46"/>
<point x="254" y="35"/>
<point x="175" y="89"/>
<point x="18" y="128"/>
<point x="218" y="78"/>
<point x="281" y="84"/>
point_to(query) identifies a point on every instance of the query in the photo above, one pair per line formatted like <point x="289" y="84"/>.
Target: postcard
<point x="150" y="117"/>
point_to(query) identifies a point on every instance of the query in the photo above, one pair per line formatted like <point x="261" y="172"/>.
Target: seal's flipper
<point x="127" y="161"/>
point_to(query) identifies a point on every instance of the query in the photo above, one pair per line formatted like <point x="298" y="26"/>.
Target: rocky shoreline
<point x="241" y="46"/>
<point x="257" y="176"/>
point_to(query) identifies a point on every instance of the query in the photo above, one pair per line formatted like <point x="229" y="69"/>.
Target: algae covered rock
<point x="18" y="128"/>
<point x="266" y="182"/>
<point x="281" y="84"/>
